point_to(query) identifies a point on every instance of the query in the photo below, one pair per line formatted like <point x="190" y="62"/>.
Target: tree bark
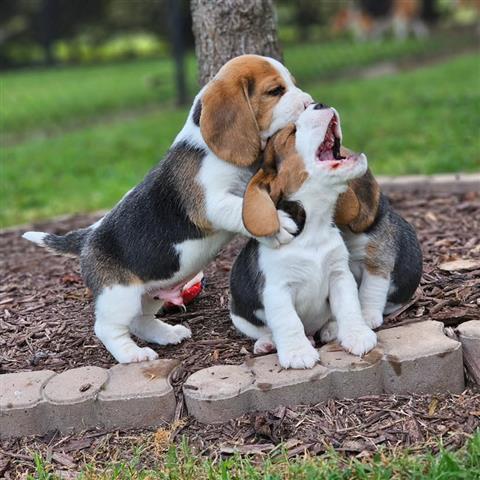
<point x="224" y="29"/>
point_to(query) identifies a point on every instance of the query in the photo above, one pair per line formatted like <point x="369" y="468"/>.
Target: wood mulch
<point x="46" y="320"/>
<point x="46" y="313"/>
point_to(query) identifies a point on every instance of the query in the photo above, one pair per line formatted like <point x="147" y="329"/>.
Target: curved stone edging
<point x="125" y="396"/>
<point x="415" y="358"/>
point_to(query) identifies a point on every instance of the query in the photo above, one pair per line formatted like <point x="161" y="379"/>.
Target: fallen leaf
<point x="462" y="264"/>
<point x="432" y="407"/>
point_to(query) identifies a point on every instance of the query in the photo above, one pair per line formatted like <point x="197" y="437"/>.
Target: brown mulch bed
<point x="46" y="314"/>
<point x="46" y="322"/>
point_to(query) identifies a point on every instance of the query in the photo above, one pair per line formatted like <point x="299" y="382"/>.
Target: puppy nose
<point x="320" y="106"/>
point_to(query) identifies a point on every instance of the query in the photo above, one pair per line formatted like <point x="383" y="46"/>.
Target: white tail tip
<point x="35" y="237"/>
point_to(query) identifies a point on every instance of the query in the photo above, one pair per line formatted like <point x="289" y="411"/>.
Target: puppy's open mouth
<point x="329" y="149"/>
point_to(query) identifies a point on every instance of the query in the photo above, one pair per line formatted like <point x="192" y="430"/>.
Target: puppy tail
<point x="70" y="244"/>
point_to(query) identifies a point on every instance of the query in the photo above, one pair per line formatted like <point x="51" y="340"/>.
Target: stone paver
<point x="138" y="395"/>
<point x="71" y="398"/>
<point x="469" y="335"/>
<point x="22" y="406"/>
<point x="414" y="358"/>
<point x="135" y="395"/>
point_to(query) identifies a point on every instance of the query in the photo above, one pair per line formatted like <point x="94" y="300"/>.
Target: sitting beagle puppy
<point x="385" y="254"/>
<point x="279" y="296"/>
<point x="167" y="228"/>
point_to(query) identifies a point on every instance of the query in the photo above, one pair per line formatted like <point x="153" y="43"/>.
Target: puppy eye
<point x="276" y="92"/>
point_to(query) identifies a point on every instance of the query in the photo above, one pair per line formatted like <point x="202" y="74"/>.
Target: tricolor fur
<point x="282" y="296"/>
<point x="385" y="254"/>
<point x="166" y="229"/>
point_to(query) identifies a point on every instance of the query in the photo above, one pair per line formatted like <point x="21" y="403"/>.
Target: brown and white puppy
<point x="279" y="296"/>
<point x="173" y="223"/>
<point x="385" y="254"/>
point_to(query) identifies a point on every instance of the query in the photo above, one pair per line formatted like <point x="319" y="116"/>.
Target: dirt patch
<point x="46" y="313"/>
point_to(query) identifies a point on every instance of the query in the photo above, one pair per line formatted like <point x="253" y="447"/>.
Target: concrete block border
<point x="416" y="358"/>
<point x="469" y="335"/>
<point x="125" y="396"/>
<point x="413" y="358"/>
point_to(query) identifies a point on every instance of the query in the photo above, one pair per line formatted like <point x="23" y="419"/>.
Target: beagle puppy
<point x="385" y="254"/>
<point x="279" y="296"/>
<point x="167" y="228"/>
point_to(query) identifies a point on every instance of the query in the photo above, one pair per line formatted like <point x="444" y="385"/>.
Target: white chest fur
<point x="303" y="268"/>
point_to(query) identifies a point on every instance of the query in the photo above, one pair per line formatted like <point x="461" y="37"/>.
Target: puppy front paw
<point x="358" y="340"/>
<point x="288" y="228"/>
<point x="373" y="318"/>
<point x="298" y="356"/>
<point x="135" y="354"/>
<point x="285" y="234"/>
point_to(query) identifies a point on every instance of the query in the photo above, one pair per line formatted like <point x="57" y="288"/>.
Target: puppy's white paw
<point x="329" y="331"/>
<point x="298" y="356"/>
<point x="286" y="222"/>
<point x="288" y="228"/>
<point x="135" y="354"/>
<point x="358" y="340"/>
<point x="176" y="334"/>
<point x="373" y="318"/>
<point x="284" y="235"/>
<point x="264" y="345"/>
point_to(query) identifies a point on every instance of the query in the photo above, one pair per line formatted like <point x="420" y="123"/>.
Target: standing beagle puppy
<point x="385" y="254"/>
<point x="279" y="296"/>
<point x="173" y="223"/>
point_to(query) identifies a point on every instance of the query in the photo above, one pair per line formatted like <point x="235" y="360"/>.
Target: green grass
<point x="422" y="121"/>
<point x="39" y="99"/>
<point x="419" y="122"/>
<point x="181" y="464"/>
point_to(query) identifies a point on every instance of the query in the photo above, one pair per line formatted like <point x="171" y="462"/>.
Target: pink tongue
<point x="326" y="156"/>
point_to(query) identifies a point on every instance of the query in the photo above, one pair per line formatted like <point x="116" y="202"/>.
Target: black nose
<point x="320" y="106"/>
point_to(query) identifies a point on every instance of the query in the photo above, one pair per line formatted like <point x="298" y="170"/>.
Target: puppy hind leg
<point x="151" y="329"/>
<point x="329" y="331"/>
<point x="115" y="309"/>
<point x="373" y="298"/>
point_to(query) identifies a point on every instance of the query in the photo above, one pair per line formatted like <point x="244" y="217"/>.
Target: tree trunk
<point x="175" y="33"/>
<point x="224" y="29"/>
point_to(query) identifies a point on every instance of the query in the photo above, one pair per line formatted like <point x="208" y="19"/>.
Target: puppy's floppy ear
<point x="259" y="213"/>
<point x="367" y="193"/>
<point x="227" y="122"/>
<point x="347" y="208"/>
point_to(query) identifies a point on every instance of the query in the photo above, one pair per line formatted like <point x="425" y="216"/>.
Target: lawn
<point x="181" y="464"/>
<point x="420" y="121"/>
<point x="40" y="99"/>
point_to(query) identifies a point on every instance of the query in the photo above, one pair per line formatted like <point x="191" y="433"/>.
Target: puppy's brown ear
<point x="228" y="124"/>
<point x="347" y="208"/>
<point x="367" y="191"/>
<point x="259" y="212"/>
